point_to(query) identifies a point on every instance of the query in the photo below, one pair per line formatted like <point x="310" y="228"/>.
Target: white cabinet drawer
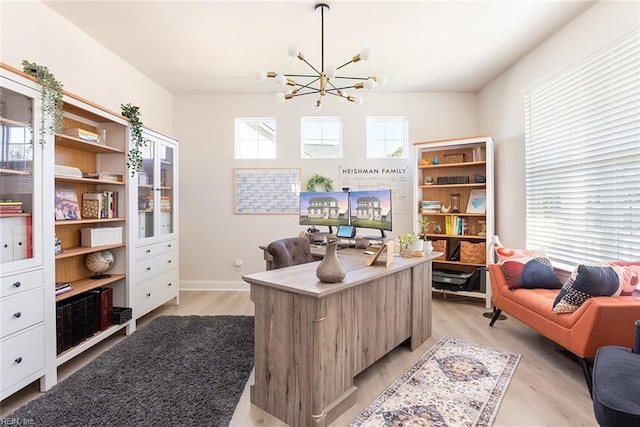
<point x="21" y="282"/>
<point x="22" y="355"/>
<point x="150" y="267"/>
<point x="154" y="292"/>
<point x="21" y="311"/>
<point x="155" y="249"/>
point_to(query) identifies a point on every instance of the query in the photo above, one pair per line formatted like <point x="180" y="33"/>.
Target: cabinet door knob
<point x="169" y="245"/>
<point x="18" y="359"/>
<point x="169" y="284"/>
<point x="149" y="294"/>
<point x="148" y="251"/>
<point x="148" y="268"/>
<point x="17" y="284"/>
<point x="17" y="315"/>
<point x="169" y="262"/>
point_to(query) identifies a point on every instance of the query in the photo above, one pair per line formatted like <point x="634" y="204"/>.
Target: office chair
<point x="290" y="251"/>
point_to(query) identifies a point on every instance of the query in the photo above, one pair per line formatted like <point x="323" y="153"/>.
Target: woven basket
<point x="472" y="253"/>
<point x="440" y="246"/>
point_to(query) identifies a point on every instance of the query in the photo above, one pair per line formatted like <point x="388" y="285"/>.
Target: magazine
<point x="67" y="206"/>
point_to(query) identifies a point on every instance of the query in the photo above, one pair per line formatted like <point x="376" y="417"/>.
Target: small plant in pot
<point x="406" y="241"/>
<point x="424" y="225"/>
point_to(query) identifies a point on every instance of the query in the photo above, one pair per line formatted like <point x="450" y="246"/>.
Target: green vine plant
<point x="51" y="99"/>
<point x="132" y="112"/>
<point x="320" y="179"/>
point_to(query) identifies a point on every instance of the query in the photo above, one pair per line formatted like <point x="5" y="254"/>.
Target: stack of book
<point x="165" y="204"/>
<point x="430" y="206"/>
<point x="62" y="287"/>
<point x="8" y="206"/>
<point x="81" y="316"/>
<point x="82" y="134"/>
<point x="100" y="204"/>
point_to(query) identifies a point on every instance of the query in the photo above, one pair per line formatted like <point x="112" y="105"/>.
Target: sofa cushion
<point x="524" y="268"/>
<point x="605" y="279"/>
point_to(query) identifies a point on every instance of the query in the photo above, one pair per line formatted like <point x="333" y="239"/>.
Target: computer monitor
<point x="329" y="209"/>
<point x="371" y="209"/>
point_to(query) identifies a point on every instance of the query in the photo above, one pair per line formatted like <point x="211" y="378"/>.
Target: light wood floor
<point x="547" y="389"/>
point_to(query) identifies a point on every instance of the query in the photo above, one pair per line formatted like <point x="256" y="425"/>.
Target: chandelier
<point x="325" y="81"/>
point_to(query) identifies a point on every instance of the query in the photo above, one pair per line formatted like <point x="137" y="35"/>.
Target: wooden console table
<point x="313" y="338"/>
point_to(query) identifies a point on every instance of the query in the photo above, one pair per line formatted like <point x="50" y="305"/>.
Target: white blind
<point x="582" y="135"/>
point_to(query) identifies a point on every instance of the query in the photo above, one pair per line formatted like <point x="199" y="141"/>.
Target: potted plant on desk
<point x="406" y="241"/>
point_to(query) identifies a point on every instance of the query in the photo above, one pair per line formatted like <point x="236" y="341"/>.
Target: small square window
<point x="321" y="137"/>
<point x="386" y="137"/>
<point x="255" y="138"/>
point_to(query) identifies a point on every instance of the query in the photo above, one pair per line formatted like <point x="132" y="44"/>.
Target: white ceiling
<point x="201" y="47"/>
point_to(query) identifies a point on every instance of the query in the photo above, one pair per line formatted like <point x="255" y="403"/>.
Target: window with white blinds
<point x="582" y="134"/>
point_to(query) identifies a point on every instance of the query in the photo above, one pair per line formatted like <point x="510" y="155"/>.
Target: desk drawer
<point x="21" y="311"/>
<point x="156" y="291"/>
<point x="21" y="356"/>
<point x="21" y="282"/>
<point x="155" y="249"/>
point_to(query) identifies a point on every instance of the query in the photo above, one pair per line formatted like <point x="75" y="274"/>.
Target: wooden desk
<point x="312" y="338"/>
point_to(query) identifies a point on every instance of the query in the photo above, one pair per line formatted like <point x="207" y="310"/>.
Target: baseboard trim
<point x="213" y="285"/>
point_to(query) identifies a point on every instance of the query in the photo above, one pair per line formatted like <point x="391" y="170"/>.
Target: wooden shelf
<point x="441" y="261"/>
<point x="6" y="215"/>
<point x="83" y="250"/>
<point x="69" y="354"/>
<point x="79" y="144"/>
<point x="452" y="165"/>
<point x="87" y="284"/>
<point x="15" y="172"/>
<point x="63" y="178"/>
<point x="88" y="221"/>
<point x="452" y="213"/>
<point x="455" y="236"/>
<point x="469" y="185"/>
<point x="6" y="121"/>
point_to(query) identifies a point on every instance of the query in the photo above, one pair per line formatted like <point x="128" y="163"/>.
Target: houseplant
<point x="50" y="96"/>
<point x="424" y="225"/>
<point x="405" y="241"/>
<point x="132" y="112"/>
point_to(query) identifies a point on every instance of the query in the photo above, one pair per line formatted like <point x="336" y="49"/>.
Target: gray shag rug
<point x="176" y="370"/>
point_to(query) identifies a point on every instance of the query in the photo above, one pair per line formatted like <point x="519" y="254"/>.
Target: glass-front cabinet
<point x="19" y="179"/>
<point x="156" y="188"/>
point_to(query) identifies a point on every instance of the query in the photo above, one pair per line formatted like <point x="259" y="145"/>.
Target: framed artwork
<point x="266" y="190"/>
<point x="477" y="201"/>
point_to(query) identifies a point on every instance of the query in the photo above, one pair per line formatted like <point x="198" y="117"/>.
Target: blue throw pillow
<point x="586" y="281"/>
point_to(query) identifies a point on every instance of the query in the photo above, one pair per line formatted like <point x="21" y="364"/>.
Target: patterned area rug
<point x="455" y="383"/>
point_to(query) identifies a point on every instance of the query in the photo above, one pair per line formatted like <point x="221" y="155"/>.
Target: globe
<point x="99" y="263"/>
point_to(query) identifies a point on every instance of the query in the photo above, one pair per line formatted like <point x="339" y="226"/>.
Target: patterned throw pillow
<point x="603" y="279"/>
<point x="524" y="268"/>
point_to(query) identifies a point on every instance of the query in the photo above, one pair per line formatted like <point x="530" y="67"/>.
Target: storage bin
<point x="102" y="236"/>
<point x="472" y="253"/>
<point x="440" y="246"/>
<point x="121" y="314"/>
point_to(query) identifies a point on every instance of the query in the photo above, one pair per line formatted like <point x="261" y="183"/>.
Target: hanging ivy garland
<point x="132" y="112"/>
<point x="320" y="179"/>
<point x="51" y="99"/>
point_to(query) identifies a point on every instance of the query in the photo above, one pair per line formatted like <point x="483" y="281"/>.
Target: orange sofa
<point x="600" y="321"/>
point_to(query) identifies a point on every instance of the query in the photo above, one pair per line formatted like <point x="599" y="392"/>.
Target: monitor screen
<point x="371" y="209"/>
<point x="324" y="208"/>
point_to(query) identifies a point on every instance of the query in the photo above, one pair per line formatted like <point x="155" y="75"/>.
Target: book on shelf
<point x="10" y="206"/>
<point x="82" y="134"/>
<point x="456" y="225"/>
<point x="62" y="287"/>
<point x="66" y="204"/>
<point x="100" y="204"/>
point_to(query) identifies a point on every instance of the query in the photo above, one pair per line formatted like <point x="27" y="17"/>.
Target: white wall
<point x="30" y="30"/>
<point x="212" y="237"/>
<point x="501" y="108"/>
